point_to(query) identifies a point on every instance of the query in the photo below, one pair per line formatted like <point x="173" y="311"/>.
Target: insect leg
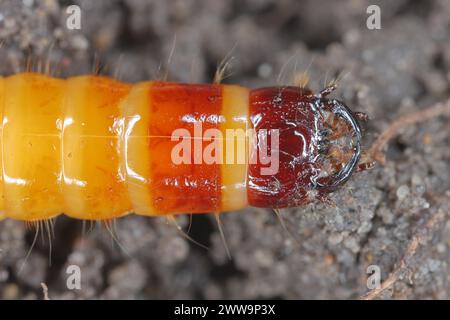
<point x="332" y="85"/>
<point x="365" y="163"/>
<point x="327" y="90"/>
<point x="361" y="116"/>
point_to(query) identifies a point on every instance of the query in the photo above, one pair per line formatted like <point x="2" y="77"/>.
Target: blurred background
<point x="401" y="68"/>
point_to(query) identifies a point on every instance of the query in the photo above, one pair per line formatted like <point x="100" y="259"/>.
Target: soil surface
<point x="391" y="72"/>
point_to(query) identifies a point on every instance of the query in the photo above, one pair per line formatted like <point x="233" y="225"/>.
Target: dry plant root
<point x="376" y="153"/>
<point x="419" y="238"/>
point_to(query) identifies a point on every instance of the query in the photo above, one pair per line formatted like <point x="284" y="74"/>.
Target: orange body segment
<point x="189" y="186"/>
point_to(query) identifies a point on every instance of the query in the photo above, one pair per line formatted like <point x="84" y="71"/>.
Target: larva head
<point x="305" y="146"/>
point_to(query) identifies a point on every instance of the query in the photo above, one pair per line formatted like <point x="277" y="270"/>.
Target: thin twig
<point x="376" y="150"/>
<point x="45" y="291"/>
<point x="418" y="239"/>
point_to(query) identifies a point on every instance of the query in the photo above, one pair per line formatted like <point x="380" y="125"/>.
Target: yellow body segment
<point x="93" y="187"/>
<point x="31" y="146"/>
<point x="235" y="153"/>
<point x="135" y="147"/>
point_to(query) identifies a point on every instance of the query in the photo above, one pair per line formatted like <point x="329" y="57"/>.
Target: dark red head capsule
<point x="319" y="146"/>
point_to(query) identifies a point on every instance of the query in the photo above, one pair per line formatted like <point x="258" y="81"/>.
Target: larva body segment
<point x="31" y="147"/>
<point x="95" y="148"/>
<point x="153" y="114"/>
<point x="271" y="107"/>
<point x="93" y="187"/>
